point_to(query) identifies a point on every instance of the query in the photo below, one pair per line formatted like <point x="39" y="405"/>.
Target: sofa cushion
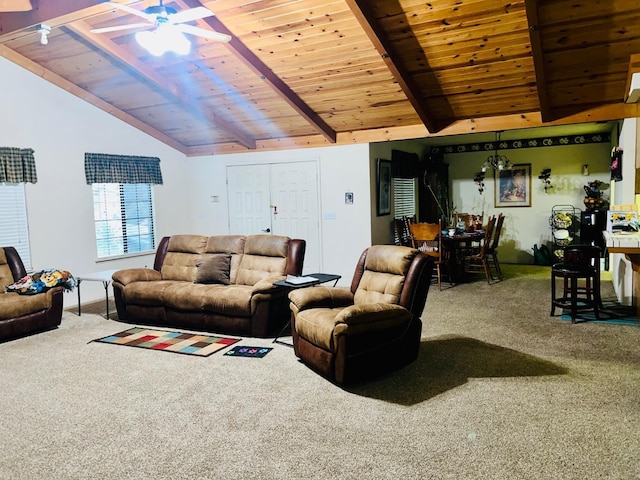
<point x="212" y="298"/>
<point x="6" y="276"/>
<point x="230" y="244"/>
<point x="147" y="293"/>
<point x="13" y="305"/>
<point x="264" y="256"/>
<point x="383" y="279"/>
<point x="182" y="253"/>
<point x="213" y="269"/>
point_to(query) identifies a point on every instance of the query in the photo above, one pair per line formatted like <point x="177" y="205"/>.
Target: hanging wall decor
<point x="616" y="164"/>
<point x="513" y="187"/>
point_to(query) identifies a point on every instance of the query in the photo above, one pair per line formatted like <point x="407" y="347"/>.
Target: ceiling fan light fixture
<point x="44" y="31"/>
<point x="164" y="39"/>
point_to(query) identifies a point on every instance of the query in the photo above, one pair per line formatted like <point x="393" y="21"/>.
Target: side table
<point x="103" y="276"/>
<point x="321" y="278"/>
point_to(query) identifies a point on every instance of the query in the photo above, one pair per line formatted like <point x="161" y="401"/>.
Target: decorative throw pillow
<point x="213" y="269"/>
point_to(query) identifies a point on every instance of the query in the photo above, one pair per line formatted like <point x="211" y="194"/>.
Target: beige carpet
<point x="500" y="391"/>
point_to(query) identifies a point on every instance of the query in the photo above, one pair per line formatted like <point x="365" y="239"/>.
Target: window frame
<point x="112" y="213"/>
<point x="14" y="220"/>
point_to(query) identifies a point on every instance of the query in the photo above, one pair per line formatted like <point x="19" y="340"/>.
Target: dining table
<point x="452" y="248"/>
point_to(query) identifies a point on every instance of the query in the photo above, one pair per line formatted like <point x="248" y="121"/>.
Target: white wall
<point x="61" y="128"/>
<point x="624" y="194"/>
<point x="526" y="226"/>
<point x="342" y="168"/>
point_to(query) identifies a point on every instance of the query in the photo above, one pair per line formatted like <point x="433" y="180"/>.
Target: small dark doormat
<point x="242" y="351"/>
<point x="168" y="341"/>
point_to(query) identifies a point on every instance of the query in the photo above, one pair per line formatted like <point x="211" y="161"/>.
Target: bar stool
<point x="581" y="262"/>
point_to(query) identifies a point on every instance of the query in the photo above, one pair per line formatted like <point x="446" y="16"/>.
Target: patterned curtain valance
<point x="17" y="165"/>
<point x="105" y="168"/>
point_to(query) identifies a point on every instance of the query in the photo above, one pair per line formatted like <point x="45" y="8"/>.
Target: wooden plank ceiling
<point x="300" y="73"/>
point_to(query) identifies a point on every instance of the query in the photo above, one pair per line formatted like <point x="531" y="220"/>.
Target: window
<point x="404" y="197"/>
<point x="123" y="214"/>
<point x="14" y="228"/>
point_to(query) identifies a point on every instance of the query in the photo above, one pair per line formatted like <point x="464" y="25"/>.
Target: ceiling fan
<point x="159" y="17"/>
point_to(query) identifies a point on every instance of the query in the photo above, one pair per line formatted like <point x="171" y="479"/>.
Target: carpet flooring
<point x="500" y="390"/>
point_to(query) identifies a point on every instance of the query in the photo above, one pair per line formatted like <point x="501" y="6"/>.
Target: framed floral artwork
<point x="513" y="186"/>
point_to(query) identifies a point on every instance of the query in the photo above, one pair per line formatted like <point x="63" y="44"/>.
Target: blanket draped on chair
<point x="42" y="281"/>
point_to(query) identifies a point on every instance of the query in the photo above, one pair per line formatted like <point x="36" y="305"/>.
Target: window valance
<point x="17" y="165"/>
<point x="105" y="168"/>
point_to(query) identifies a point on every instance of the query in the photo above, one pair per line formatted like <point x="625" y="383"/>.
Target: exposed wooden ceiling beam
<point x="634" y="67"/>
<point x="166" y="88"/>
<point x="57" y="80"/>
<point x="531" y="7"/>
<point x="362" y="13"/>
<point x="256" y="65"/>
<point x="15" y="5"/>
<point x="460" y="127"/>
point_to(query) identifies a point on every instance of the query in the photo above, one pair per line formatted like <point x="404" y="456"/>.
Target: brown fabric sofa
<point x="25" y="314"/>
<point x="221" y="284"/>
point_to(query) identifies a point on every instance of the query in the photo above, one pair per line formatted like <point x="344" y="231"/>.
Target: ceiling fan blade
<point x="121" y="27"/>
<point x="190" y="15"/>
<point x="132" y="11"/>
<point x="201" y="32"/>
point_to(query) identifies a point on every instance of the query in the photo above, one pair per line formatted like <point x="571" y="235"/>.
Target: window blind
<point x="123" y="218"/>
<point x="404" y="197"/>
<point x="14" y="227"/>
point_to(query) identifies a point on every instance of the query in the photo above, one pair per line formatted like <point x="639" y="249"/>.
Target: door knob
<point x="267" y="230"/>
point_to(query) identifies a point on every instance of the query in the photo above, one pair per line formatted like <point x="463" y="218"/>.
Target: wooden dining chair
<point x="492" y="252"/>
<point x="426" y="237"/>
<point x="477" y="262"/>
<point x="401" y="233"/>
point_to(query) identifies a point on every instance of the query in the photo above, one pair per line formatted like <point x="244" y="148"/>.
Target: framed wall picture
<point x="383" y="187"/>
<point x="513" y="186"/>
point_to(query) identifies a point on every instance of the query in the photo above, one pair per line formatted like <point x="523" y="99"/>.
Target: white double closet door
<point x="279" y="199"/>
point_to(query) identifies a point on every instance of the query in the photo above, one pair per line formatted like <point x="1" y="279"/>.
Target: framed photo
<point x="348" y="198"/>
<point x="513" y="186"/>
<point x="383" y="187"/>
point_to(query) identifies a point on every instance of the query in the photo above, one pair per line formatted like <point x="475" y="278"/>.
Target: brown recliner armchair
<point x="374" y="327"/>
<point x="24" y="314"/>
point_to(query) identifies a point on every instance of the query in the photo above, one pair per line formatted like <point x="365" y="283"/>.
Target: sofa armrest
<point x="371" y="313"/>
<point x="130" y="275"/>
<point x="266" y="285"/>
<point x="320" y="297"/>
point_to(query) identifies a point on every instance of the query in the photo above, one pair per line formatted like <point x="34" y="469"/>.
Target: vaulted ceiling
<point x="300" y="73"/>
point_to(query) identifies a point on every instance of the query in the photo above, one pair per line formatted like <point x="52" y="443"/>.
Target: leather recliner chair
<point x="351" y="334"/>
<point x="25" y="314"/>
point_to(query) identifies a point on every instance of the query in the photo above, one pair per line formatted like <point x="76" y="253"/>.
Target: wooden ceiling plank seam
<point x="160" y="82"/>
<point x="531" y="7"/>
<point x="60" y="82"/>
<point x="384" y="49"/>
<point x="265" y="73"/>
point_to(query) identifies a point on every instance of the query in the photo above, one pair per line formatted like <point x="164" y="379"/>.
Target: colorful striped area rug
<point x="169" y="341"/>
